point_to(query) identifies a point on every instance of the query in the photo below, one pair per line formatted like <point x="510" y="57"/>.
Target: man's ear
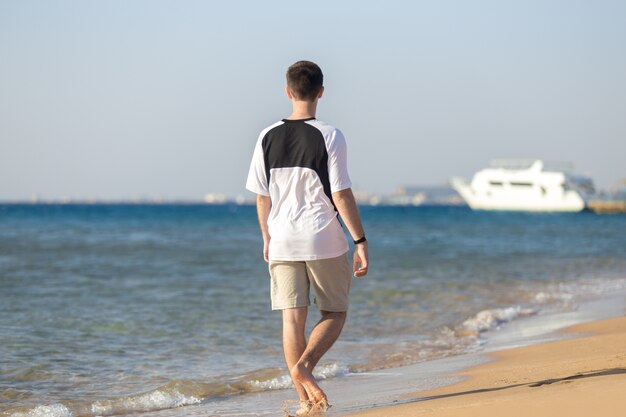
<point x="321" y="93"/>
<point x="289" y="93"/>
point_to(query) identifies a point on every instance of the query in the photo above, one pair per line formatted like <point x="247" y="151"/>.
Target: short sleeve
<point x="257" y="178"/>
<point x="338" y="162"/>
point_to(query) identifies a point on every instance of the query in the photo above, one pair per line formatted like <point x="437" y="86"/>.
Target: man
<point x="299" y="173"/>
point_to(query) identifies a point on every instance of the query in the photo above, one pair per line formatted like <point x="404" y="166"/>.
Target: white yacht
<point x="521" y="186"/>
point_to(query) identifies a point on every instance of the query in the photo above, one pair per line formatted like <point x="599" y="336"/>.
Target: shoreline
<point x="379" y="393"/>
<point x="543" y="374"/>
<point x="436" y="386"/>
<point x="583" y="374"/>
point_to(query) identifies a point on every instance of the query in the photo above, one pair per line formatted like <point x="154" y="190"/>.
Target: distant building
<point x="366" y="198"/>
<point x="425" y="195"/>
<point x="215" y="198"/>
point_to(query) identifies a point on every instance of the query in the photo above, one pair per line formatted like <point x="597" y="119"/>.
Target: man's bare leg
<point x="323" y="336"/>
<point x="294" y="343"/>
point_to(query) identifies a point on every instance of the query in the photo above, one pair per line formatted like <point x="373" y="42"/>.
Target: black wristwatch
<point x="356" y="242"/>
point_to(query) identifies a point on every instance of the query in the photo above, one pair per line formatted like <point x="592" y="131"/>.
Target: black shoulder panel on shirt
<point x="297" y="144"/>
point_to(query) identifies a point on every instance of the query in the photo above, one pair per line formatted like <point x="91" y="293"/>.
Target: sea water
<point x="117" y="309"/>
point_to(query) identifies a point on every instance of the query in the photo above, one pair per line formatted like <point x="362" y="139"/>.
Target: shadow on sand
<point x="591" y="374"/>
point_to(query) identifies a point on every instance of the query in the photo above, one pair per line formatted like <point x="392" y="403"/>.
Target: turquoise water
<point x="112" y="309"/>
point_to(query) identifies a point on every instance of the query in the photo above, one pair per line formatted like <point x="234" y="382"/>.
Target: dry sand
<point x="581" y="376"/>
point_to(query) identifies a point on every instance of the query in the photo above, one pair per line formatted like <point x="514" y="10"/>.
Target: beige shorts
<point x="330" y="279"/>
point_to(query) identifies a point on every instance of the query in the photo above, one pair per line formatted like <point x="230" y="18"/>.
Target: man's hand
<point x="346" y="206"/>
<point x="360" y="263"/>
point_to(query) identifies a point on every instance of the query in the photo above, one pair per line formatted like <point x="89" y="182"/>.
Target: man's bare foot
<point x="303" y="411"/>
<point x="303" y="376"/>
<point x="305" y="407"/>
<point x="319" y="407"/>
<point x="309" y="409"/>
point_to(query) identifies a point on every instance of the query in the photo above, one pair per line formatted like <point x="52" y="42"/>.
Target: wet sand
<point x="579" y="376"/>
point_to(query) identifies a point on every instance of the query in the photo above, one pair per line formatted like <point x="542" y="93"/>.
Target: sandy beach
<point x="583" y="375"/>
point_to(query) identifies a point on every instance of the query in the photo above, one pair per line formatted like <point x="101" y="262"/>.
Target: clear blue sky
<point x="114" y="99"/>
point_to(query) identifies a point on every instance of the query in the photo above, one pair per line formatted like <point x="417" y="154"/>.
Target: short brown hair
<point x="305" y="79"/>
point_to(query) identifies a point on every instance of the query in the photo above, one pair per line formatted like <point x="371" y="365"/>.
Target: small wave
<point x="323" y="371"/>
<point x="543" y="297"/>
<point x="330" y="370"/>
<point x="54" y="410"/>
<point x="155" y="400"/>
<point x="171" y="395"/>
<point x="280" y="382"/>
<point x="493" y="318"/>
<point x="179" y="393"/>
<point x="465" y="336"/>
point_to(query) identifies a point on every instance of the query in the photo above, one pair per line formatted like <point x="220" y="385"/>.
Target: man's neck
<point x="303" y="110"/>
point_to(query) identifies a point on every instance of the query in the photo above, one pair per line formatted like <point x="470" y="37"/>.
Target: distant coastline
<point x="423" y="195"/>
<point x="410" y="195"/>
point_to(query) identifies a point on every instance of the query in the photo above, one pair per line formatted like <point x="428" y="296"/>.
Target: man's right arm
<point x="263" y="206"/>
<point x="346" y="206"/>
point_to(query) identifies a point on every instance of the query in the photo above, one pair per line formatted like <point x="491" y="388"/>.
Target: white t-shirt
<point x="299" y="164"/>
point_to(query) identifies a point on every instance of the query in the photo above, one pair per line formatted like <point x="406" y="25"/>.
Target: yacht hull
<point x="519" y="190"/>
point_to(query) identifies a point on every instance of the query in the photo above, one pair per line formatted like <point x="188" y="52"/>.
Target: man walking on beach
<point x="299" y="173"/>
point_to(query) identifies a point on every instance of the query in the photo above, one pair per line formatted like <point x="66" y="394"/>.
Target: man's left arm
<point x="345" y="203"/>
<point x="347" y="208"/>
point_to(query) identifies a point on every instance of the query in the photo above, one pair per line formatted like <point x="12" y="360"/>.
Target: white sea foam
<point x="330" y="370"/>
<point x="154" y="400"/>
<point x="548" y="297"/>
<point x="280" y="382"/>
<point x="324" y="371"/>
<point x="54" y="410"/>
<point x="174" y="394"/>
<point x="491" y="319"/>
